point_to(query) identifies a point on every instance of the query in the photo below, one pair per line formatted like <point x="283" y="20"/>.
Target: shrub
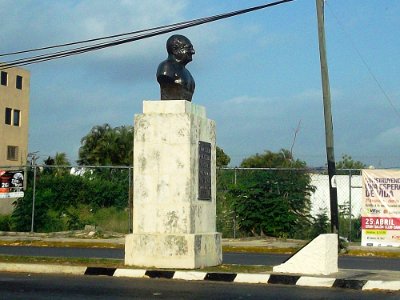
<point x="68" y="201"/>
<point x="272" y="203"/>
<point x="112" y="219"/>
<point x="5" y="222"/>
<point x="320" y="224"/>
<point x="78" y="217"/>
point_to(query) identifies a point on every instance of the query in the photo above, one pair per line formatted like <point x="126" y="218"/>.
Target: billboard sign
<point x="380" y="209"/>
<point x="11" y="184"/>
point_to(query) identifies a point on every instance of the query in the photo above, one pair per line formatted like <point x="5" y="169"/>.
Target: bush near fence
<point x="65" y="198"/>
<point x="349" y="201"/>
<point x="68" y="198"/>
<point x="269" y="202"/>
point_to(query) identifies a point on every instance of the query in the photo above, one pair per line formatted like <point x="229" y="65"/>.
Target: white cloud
<point x="308" y="95"/>
<point x="245" y="100"/>
<point x="389" y="138"/>
<point x="257" y="74"/>
<point x="86" y="20"/>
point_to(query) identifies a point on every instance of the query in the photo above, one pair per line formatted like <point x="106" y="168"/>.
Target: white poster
<point x="380" y="209"/>
<point x="11" y="184"/>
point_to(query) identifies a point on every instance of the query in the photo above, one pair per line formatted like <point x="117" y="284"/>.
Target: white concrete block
<point x="319" y="257"/>
<point x="382" y="285"/>
<point x="189" y="275"/>
<point x="38" y="268"/>
<point x="172" y="106"/>
<point x="133" y="273"/>
<point x="252" y="278"/>
<point x="315" y="281"/>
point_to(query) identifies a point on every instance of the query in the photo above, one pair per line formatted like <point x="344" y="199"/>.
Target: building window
<point x="4" y="78"/>
<point x="16" y="117"/>
<point x="12" y="152"/>
<point x="18" y="82"/>
<point x="13" y="116"/>
<point x="8" y="116"/>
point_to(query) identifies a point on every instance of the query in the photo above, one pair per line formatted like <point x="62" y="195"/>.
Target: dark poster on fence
<point x="11" y="184"/>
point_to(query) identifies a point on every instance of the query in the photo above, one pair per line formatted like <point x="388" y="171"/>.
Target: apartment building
<point x="14" y="116"/>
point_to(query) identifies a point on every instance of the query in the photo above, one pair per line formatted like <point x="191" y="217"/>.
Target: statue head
<point x="180" y="49"/>
<point x="176" y="82"/>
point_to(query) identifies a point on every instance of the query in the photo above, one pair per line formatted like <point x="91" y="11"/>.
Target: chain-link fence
<point x="298" y="199"/>
<point x="279" y="202"/>
<point x="349" y="193"/>
<point x="65" y="198"/>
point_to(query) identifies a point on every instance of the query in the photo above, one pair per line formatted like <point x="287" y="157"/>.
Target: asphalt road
<point x="39" y="286"/>
<point x="345" y="262"/>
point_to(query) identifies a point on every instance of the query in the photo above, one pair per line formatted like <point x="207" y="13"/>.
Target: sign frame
<point x="204" y="165"/>
<point x="11" y="184"/>
<point x="380" y="208"/>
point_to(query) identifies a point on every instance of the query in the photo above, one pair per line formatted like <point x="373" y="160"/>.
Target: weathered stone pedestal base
<point x="185" y="251"/>
<point x="174" y="224"/>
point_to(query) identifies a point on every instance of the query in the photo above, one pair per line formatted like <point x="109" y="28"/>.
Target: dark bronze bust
<point x="176" y="82"/>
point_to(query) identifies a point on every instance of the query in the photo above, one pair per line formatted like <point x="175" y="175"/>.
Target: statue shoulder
<point x="166" y="68"/>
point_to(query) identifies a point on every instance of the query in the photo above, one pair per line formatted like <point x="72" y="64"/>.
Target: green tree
<point x="269" y="159"/>
<point x="105" y="145"/>
<point x="60" y="201"/>
<point x="49" y="161"/>
<point x="60" y="161"/>
<point x="223" y="159"/>
<point x="347" y="162"/>
<point x="272" y="202"/>
<point x="320" y="224"/>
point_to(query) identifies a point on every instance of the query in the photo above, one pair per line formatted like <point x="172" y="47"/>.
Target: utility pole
<point x="328" y="118"/>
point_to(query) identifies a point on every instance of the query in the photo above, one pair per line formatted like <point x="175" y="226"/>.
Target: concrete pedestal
<point x="319" y="257"/>
<point x="174" y="223"/>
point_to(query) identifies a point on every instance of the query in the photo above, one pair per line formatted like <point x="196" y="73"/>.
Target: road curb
<point x="40" y="268"/>
<point x="273" y="278"/>
<point x="250" y="278"/>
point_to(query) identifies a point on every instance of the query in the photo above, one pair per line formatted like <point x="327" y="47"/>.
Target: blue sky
<point x="258" y="75"/>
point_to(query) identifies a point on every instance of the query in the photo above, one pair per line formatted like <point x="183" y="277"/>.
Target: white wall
<point x="320" y="198"/>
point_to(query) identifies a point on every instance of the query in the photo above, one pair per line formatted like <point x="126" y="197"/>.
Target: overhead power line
<point x="89" y="41"/>
<point x="133" y="36"/>
<point x="363" y="60"/>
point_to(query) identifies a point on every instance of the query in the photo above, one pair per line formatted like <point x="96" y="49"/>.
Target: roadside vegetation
<point x="274" y="201"/>
<point x="251" y="202"/>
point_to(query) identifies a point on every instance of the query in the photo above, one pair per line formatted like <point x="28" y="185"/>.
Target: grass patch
<point x="225" y="268"/>
<point x="386" y="254"/>
<point x="71" y="261"/>
<point x="112" y="219"/>
<point x="119" y="263"/>
<point x="94" y="244"/>
<point x="225" y="248"/>
<point x="244" y="249"/>
<point x="61" y="244"/>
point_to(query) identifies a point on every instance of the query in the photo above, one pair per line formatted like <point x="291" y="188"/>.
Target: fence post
<point x="234" y="212"/>
<point x="234" y="224"/>
<point x="350" y="209"/>
<point x="34" y="196"/>
<point x="130" y="199"/>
